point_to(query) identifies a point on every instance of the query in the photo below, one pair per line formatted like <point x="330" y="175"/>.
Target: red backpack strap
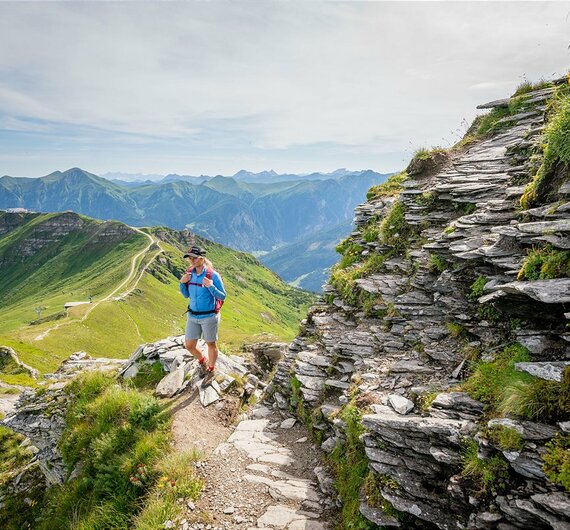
<point x="209" y="272"/>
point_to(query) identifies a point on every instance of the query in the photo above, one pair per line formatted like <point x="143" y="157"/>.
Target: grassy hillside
<point x="49" y="259"/>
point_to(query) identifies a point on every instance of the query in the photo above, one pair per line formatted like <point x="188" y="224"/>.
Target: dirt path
<point x="129" y="278"/>
<point x="258" y="474"/>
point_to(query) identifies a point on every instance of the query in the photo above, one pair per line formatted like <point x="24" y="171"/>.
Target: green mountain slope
<point x="131" y="276"/>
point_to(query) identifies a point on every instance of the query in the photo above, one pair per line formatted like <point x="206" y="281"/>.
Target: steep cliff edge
<point x="435" y="373"/>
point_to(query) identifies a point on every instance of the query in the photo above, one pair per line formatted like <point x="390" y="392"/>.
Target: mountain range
<point x="248" y="216"/>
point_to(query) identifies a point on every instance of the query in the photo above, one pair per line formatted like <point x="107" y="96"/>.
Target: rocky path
<point x="264" y="476"/>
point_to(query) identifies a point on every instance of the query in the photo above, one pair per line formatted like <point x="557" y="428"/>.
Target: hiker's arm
<point x="217" y="288"/>
<point x="184" y="286"/>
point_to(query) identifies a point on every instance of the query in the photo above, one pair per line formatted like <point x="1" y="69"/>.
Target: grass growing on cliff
<point x="507" y="391"/>
<point x="174" y="482"/>
<point x="489" y="379"/>
<point x="528" y="86"/>
<point x="350" y="465"/>
<point x="489" y="475"/>
<point x="545" y="263"/>
<point x="394" y="229"/>
<point x="17" y="512"/>
<point x="557" y="460"/>
<point x="116" y="440"/>
<point x="556" y="152"/>
<point x="506" y="438"/>
<point x="390" y="188"/>
<point x="494" y="121"/>
<point x="537" y="399"/>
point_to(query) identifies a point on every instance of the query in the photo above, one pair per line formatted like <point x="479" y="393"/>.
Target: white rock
<point x="170" y="383"/>
<point x="400" y="404"/>
<point x="288" y="423"/>
<point x="210" y="394"/>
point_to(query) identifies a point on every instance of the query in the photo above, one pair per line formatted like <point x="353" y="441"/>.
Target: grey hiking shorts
<point x="207" y="328"/>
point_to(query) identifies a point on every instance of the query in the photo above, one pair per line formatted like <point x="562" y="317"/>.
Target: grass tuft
<point x="390" y="188"/>
<point x="489" y="475"/>
<point x="506" y="438"/>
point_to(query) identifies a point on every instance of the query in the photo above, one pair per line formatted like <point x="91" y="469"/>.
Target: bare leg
<point x="212" y="353"/>
<point x="193" y="349"/>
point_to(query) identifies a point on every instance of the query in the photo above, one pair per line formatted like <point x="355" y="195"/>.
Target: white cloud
<point x="244" y="78"/>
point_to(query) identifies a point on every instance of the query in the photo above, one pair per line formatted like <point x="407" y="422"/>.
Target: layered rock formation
<point x="430" y="288"/>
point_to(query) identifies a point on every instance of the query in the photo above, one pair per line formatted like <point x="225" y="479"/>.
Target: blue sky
<point x="214" y="87"/>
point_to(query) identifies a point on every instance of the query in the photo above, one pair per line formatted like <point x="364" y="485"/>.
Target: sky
<point x="214" y="87"/>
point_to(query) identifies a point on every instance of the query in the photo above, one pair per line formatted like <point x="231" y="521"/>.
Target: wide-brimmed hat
<point x="195" y="252"/>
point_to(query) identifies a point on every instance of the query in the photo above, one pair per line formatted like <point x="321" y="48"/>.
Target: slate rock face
<point x="423" y="325"/>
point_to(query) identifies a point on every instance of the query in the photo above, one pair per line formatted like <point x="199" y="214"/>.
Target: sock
<point x="202" y="360"/>
<point x="210" y="368"/>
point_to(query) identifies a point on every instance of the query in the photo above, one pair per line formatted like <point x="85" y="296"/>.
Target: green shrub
<point x="465" y="208"/>
<point x="425" y="400"/>
<point x="489" y="475"/>
<point x="545" y="263"/>
<point x="557" y="460"/>
<point x="489" y="313"/>
<point x="477" y="288"/>
<point x="390" y="188"/>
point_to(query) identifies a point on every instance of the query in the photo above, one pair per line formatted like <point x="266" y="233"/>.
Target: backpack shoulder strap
<point x="209" y="272"/>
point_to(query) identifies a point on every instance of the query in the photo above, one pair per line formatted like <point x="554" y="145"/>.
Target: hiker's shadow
<point x="186" y="400"/>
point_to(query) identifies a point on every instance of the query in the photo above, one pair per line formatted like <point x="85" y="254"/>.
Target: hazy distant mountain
<point x="130" y="177"/>
<point x="272" y="176"/>
<point x="187" y="178"/>
<point x="265" y="177"/>
<point x="307" y="263"/>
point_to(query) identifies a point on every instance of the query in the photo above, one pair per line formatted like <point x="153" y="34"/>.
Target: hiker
<point x="204" y="286"/>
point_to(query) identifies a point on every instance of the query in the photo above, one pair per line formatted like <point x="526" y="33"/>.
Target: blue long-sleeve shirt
<point x="203" y="298"/>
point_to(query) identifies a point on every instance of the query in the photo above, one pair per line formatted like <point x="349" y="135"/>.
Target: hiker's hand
<point x="184" y="278"/>
<point x="207" y="282"/>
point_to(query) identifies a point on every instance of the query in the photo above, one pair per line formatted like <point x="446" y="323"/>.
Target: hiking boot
<point x="203" y="367"/>
<point x="208" y="378"/>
